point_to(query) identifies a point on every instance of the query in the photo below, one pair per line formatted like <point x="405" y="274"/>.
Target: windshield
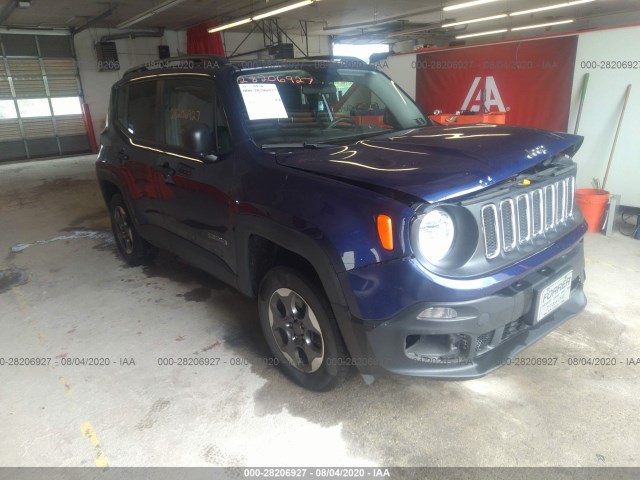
<point x="317" y="106"/>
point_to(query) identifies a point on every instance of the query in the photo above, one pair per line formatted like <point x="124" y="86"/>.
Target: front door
<point x="198" y="166"/>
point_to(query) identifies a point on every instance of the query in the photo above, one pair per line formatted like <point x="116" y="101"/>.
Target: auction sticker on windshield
<point x="263" y="101"/>
<point x="554" y="295"/>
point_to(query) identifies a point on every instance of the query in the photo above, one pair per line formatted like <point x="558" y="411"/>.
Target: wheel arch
<point x="109" y="189"/>
<point x="109" y="183"/>
<point x="262" y="245"/>
<point x="259" y="239"/>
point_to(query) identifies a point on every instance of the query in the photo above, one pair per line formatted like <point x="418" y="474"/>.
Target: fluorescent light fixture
<point x="483" y="19"/>
<point x="467" y="4"/>
<point x="149" y="13"/>
<point x="550" y="7"/>
<point x="229" y="25"/>
<point x="271" y="13"/>
<point x="469" y="35"/>
<point x="542" y="25"/>
<point x="293" y="6"/>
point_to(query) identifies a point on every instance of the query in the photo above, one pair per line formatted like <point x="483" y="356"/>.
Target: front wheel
<point x="301" y="332"/>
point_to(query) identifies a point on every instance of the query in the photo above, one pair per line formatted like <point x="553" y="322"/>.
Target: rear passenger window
<point x="140" y="117"/>
<point x="191" y="105"/>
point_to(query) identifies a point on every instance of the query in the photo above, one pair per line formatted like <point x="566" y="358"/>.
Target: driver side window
<point x="193" y="117"/>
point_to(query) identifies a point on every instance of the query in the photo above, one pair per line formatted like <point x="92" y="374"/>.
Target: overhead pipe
<point x="122" y="36"/>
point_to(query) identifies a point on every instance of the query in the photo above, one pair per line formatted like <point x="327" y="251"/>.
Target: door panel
<point x="135" y="149"/>
<point x="194" y="125"/>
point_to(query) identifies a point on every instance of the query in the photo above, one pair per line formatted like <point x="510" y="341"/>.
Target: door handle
<point x="166" y="169"/>
<point x="167" y="172"/>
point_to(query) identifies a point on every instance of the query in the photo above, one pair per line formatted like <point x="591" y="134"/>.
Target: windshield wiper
<point x="310" y="146"/>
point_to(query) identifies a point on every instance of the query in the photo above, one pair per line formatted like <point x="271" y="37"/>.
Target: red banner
<point x="530" y="80"/>
<point x="201" y="41"/>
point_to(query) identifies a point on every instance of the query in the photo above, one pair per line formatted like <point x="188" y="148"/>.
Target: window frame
<point x="117" y="117"/>
<point x="216" y="101"/>
<point x="161" y="140"/>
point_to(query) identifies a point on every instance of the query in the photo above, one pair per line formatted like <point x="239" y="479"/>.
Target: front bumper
<point x="485" y="333"/>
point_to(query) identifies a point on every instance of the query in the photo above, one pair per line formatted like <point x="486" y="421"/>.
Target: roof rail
<point x="187" y="61"/>
<point x="337" y="58"/>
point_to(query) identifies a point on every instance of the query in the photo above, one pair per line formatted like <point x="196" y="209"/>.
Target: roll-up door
<point x="40" y="98"/>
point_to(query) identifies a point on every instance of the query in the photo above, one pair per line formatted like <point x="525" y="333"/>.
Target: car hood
<point x="435" y="163"/>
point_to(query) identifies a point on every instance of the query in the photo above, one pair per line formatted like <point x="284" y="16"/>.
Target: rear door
<point x="136" y="145"/>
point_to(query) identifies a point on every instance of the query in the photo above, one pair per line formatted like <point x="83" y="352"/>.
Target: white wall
<point x="232" y="41"/>
<point x="131" y="52"/>
<point x="602" y="108"/>
<point x="401" y="68"/>
<point x="318" y="45"/>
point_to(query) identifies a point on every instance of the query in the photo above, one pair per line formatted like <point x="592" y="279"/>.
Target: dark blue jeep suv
<point x="369" y="235"/>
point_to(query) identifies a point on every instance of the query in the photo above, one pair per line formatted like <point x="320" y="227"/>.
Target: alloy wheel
<point x="296" y="330"/>
<point x="123" y="229"/>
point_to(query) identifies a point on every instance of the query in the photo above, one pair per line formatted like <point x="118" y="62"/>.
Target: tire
<point x="301" y="331"/>
<point x="134" y="249"/>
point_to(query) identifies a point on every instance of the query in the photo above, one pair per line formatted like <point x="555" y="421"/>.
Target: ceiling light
<point x="481" y="33"/>
<point x="467" y="4"/>
<point x="271" y="13"/>
<point x="542" y="25"/>
<point x="148" y="13"/>
<point x="229" y="25"/>
<point x="494" y="17"/>
<point x="550" y="7"/>
<point x="304" y="3"/>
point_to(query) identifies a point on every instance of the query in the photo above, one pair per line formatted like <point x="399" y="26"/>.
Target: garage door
<point x="40" y="98"/>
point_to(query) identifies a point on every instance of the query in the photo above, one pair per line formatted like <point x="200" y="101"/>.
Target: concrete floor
<point x="67" y="294"/>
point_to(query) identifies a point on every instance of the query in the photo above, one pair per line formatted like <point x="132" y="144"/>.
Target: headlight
<point x="436" y="233"/>
<point x="444" y="237"/>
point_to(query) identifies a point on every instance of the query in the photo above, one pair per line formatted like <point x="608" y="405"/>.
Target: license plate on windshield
<point x="554" y="295"/>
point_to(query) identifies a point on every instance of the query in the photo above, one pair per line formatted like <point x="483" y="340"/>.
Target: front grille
<point x="512" y="222"/>
<point x="549" y="206"/>
<point x="523" y="203"/>
<point x="490" y="228"/>
<point x="507" y="213"/>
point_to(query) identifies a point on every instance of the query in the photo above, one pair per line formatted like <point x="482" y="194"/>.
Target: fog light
<point x="436" y="348"/>
<point x="437" y="313"/>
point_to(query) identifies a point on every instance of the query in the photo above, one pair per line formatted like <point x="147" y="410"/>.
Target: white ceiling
<point x="358" y="21"/>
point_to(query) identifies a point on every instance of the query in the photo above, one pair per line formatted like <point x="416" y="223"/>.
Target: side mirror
<point x="197" y="138"/>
